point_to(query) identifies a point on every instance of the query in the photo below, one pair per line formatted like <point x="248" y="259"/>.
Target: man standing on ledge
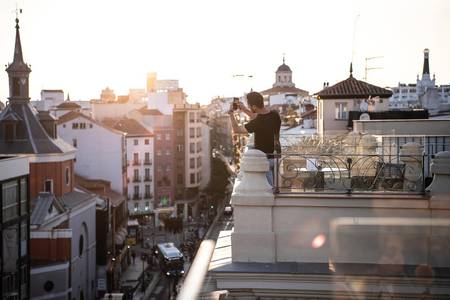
<point x="264" y="123"/>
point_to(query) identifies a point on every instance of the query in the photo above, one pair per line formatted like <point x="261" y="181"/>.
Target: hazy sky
<point x="82" y="46"/>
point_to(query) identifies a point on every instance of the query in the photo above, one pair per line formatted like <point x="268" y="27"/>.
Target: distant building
<point x="163" y="95"/>
<point x="107" y="95"/>
<point x="335" y="102"/>
<point x="140" y="162"/>
<point x="14" y="225"/>
<point x="422" y="94"/>
<point x="101" y="150"/>
<point x="283" y="90"/>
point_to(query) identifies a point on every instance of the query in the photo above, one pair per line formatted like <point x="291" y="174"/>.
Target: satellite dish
<point x="364" y="117"/>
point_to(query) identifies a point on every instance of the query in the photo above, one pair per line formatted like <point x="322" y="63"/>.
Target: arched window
<point x="81" y="246"/>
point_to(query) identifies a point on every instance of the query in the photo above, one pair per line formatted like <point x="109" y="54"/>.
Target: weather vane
<point x="18" y="11"/>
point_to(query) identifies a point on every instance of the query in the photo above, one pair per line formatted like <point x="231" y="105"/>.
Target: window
<point x="136" y="190"/>
<point x="167" y="136"/>
<point x="16" y="87"/>
<point x="23" y="196"/>
<point x="192" y="132"/>
<point x="199" y="146"/>
<point x="147" y="204"/>
<point x="135" y="158"/>
<point x="136" y="173"/>
<point x="199" y="162"/>
<point x="48" y="186"/>
<point x="82" y="125"/>
<point x="158" y="137"/>
<point x="147" y="172"/>
<point x="199" y="131"/>
<point x="192" y="178"/>
<point x="147" y="156"/>
<point x="67" y="176"/>
<point x="191" y="117"/>
<point x="192" y="148"/>
<point x="147" y="189"/>
<point x="159" y="169"/>
<point x="74" y="142"/>
<point x="74" y="125"/>
<point x="90" y="125"/>
<point x="147" y="141"/>
<point x="180" y="132"/>
<point x="192" y="163"/>
<point x="158" y="152"/>
<point x="9" y="202"/>
<point x="168" y="152"/>
<point x="168" y="168"/>
<point x="180" y="148"/>
<point x="279" y="78"/>
<point x="64" y="125"/>
<point x="136" y="206"/>
<point x="340" y="111"/>
<point x="179" y="178"/>
<point x="9" y="132"/>
<point x="81" y="246"/>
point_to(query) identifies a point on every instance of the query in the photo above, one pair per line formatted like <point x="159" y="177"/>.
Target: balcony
<point x="148" y="178"/>
<point x="137" y="196"/>
<point x="371" y="224"/>
<point x="148" y="162"/>
<point x="136" y="162"/>
<point x="136" y="178"/>
<point x="148" y="196"/>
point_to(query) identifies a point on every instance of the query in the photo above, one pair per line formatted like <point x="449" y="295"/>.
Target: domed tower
<point x="24" y="131"/>
<point x="283" y="76"/>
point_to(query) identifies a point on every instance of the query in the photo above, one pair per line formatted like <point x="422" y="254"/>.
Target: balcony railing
<point x="136" y="178"/>
<point x="148" y="162"/>
<point x="148" y="178"/>
<point x="137" y="196"/>
<point x="136" y="162"/>
<point x="296" y="172"/>
<point x="148" y="195"/>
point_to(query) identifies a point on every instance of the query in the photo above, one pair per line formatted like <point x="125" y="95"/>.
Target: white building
<point x="140" y="171"/>
<point x="100" y="149"/>
<point x="283" y="91"/>
<point x="164" y="94"/>
<point x="423" y="94"/>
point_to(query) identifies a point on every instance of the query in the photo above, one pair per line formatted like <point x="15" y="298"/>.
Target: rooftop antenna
<point x="355" y="24"/>
<point x="367" y="68"/>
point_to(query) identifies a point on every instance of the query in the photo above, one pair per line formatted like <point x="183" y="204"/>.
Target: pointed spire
<point x="351" y="69"/>
<point x="68" y="97"/>
<point x="284" y="56"/>
<point x="18" y="62"/>
<point x="18" y="56"/>
<point x="426" y="64"/>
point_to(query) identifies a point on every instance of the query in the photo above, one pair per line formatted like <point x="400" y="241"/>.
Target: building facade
<point x="335" y="102"/>
<point x="422" y="94"/>
<point x="101" y="150"/>
<point x="15" y="224"/>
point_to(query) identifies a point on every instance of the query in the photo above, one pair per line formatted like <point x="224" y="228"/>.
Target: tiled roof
<point x="353" y="88"/>
<point x="147" y="111"/>
<point x="68" y="105"/>
<point x="70" y="116"/>
<point x="130" y="126"/>
<point x="76" y="198"/>
<point x="284" y="89"/>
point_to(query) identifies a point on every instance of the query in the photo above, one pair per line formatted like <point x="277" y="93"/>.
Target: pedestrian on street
<point x="133" y="255"/>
